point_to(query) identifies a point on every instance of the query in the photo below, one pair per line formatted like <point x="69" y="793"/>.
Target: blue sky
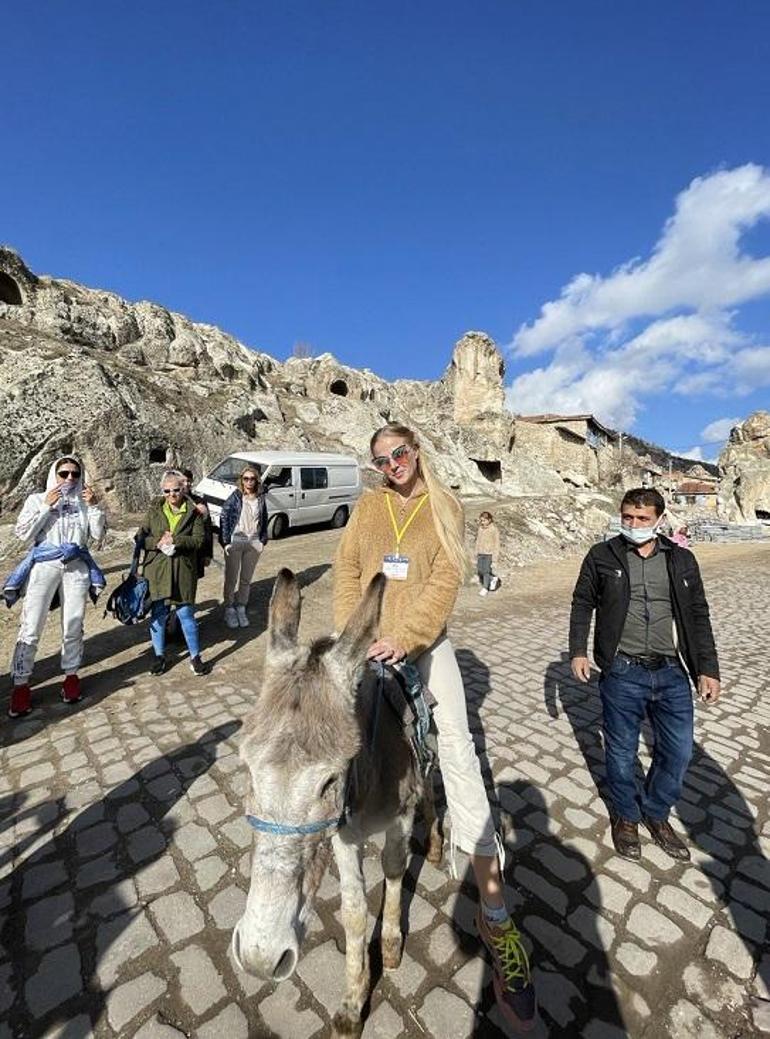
<point x="375" y="179"/>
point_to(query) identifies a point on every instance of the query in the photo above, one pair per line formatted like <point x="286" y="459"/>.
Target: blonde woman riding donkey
<point x="411" y="529"/>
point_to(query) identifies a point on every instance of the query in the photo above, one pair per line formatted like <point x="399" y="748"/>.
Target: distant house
<point x="702" y="493"/>
<point x="582" y="428"/>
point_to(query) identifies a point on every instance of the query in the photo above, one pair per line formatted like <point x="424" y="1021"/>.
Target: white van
<point x="302" y="487"/>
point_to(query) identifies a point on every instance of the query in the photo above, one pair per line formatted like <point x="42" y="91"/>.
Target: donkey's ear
<point x="283" y="623"/>
<point x="361" y="629"/>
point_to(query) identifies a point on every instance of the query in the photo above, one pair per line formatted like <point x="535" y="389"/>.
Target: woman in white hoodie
<point x="66" y="513"/>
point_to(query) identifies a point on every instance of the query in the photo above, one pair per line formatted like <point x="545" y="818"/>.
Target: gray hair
<point x="172" y="473"/>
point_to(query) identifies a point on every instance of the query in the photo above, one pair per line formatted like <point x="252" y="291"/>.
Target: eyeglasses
<point x="397" y="455"/>
<point x="249" y="479"/>
<point x="66" y="474"/>
<point x="173" y="490"/>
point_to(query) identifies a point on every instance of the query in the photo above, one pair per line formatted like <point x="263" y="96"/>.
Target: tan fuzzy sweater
<point x="414" y="611"/>
<point x="488" y="541"/>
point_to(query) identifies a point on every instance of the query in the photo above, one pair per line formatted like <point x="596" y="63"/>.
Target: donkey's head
<point x="298" y="745"/>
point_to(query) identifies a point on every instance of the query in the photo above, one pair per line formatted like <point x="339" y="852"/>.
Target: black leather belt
<point x="650" y="661"/>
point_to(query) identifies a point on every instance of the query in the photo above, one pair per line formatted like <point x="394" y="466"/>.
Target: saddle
<point x="412" y="703"/>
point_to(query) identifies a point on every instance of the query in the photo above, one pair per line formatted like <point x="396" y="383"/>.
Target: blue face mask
<point x="640" y="535"/>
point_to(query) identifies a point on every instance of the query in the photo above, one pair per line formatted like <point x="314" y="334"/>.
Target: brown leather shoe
<point x="625" y="837"/>
<point x="665" y="837"/>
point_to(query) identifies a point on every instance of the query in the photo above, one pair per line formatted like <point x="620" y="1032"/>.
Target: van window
<point x="313" y="479"/>
<point x="342" y="476"/>
<point x="229" y="470"/>
<point x="279" y="477"/>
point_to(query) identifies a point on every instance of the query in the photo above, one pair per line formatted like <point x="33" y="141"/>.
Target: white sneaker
<point x="483" y="591"/>
<point x="231" y="617"/>
<point x="243" y="617"/>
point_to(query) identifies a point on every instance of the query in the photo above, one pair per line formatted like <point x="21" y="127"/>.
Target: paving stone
<point x="194" y="841"/>
<point x="323" y="971"/>
<point x="555" y="940"/>
<point x="56" y="980"/>
<point x="636" y="960"/>
<point x="442" y="944"/>
<point x="710" y="988"/>
<point x="6" y="992"/>
<point x="761" y="984"/>
<point x="727" y="948"/>
<point x="606" y="893"/>
<point x="155" y="1029"/>
<point x="688" y="1022"/>
<point x="566" y="867"/>
<point x="446" y="1015"/>
<point x="117" y="899"/>
<point x="572" y="791"/>
<point x="708" y="889"/>
<point x="38" y="880"/>
<point x="131" y="817"/>
<point x="684" y="905"/>
<point x="97" y="871"/>
<point x="238" y="832"/>
<point x="215" y="809"/>
<point x="592" y="927"/>
<point x="760" y="1015"/>
<point x="177" y="916"/>
<point x="280" y="1014"/>
<point x="156" y="878"/>
<point x="652" y="927"/>
<point x="557" y="995"/>
<point x="147" y="843"/>
<point x="545" y="891"/>
<point x="75" y="1028"/>
<point x="199" y="981"/>
<point x="119" y="940"/>
<point x="751" y="895"/>
<point x="580" y="819"/>
<point x="208" y="871"/>
<point x="746" y="922"/>
<point x="472" y="978"/>
<point x="384" y="1023"/>
<point x="409" y="976"/>
<point x="95" y="840"/>
<point x="598" y="1029"/>
<point x="229" y="1022"/>
<point x="37" y="774"/>
<point x="49" y="922"/>
<point x="130" y="998"/>
<point x="636" y="876"/>
<point x="227" y="907"/>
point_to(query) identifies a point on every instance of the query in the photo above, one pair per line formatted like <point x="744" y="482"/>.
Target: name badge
<point x="395" y="567"/>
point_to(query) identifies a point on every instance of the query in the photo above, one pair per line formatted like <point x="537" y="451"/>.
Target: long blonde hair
<point x="447" y="510"/>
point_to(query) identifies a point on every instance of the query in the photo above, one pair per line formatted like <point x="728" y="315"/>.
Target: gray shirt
<point x="649" y="626"/>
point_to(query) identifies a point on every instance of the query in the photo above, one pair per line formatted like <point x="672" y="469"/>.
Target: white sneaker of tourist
<point x="483" y="591"/>
<point x="231" y="617"/>
<point x="243" y="617"/>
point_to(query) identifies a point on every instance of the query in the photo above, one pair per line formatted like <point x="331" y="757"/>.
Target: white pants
<point x="473" y="829"/>
<point x="72" y="582"/>
<point x="240" y="561"/>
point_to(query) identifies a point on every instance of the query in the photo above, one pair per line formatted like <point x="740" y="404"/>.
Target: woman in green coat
<point x="173" y="533"/>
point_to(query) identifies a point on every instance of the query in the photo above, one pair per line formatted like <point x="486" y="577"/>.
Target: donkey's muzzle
<point x="272" y="964"/>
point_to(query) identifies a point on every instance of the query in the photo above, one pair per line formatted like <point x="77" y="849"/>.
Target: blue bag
<point x="130" y="602"/>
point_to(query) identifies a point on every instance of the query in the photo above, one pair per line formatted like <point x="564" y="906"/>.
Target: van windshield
<point x="229" y="470"/>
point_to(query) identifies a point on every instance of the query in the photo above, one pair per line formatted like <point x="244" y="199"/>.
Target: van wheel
<point x="277" y="526"/>
<point x="340" y="517"/>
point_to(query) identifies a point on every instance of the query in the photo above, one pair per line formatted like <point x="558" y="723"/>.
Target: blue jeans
<point x="628" y="692"/>
<point x="186" y="614"/>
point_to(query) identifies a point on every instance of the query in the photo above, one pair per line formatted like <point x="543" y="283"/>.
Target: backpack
<point x="129" y="603"/>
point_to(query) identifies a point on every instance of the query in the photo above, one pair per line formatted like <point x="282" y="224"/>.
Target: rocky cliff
<point x="744" y="465"/>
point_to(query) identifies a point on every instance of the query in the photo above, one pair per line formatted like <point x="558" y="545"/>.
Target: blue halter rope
<point x="301" y="829"/>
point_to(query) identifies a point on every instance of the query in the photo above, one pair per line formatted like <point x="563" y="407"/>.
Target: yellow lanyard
<point x="400" y="533"/>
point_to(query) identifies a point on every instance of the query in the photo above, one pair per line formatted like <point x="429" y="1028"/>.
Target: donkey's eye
<point x="327" y="785"/>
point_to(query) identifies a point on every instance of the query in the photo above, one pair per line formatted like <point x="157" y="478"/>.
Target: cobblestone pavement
<point x="125" y="856"/>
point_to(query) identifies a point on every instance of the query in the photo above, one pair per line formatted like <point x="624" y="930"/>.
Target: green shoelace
<point x="513" y="956"/>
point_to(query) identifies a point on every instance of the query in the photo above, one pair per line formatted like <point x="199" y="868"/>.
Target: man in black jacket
<point x="652" y="623"/>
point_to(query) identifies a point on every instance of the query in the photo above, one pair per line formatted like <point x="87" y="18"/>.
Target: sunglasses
<point x="173" y="490"/>
<point x="65" y="474"/>
<point x="396" y="455"/>
<point x="249" y="479"/>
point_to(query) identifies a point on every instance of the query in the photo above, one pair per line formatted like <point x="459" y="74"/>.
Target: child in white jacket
<point x="66" y="513"/>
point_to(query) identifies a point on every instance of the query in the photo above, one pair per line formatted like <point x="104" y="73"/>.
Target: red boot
<point x="21" y="701"/>
<point x="70" y="690"/>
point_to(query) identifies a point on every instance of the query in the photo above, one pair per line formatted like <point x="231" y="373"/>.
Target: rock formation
<point x="744" y="464"/>
<point x="131" y="387"/>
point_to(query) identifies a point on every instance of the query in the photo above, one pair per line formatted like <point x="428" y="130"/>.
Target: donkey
<point x="330" y="766"/>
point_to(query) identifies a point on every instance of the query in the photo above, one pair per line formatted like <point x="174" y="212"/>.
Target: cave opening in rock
<point x="762" y="515"/>
<point x="158" y="454"/>
<point x="339" y="387"/>
<point x="10" y="292"/>
<point x="491" y="471"/>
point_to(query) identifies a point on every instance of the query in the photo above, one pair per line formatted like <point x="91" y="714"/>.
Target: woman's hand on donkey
<point x="386" y="650"/>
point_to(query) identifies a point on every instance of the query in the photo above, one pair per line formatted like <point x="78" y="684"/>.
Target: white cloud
<point x="718" y="431"/>
<point x="684" y="297"/>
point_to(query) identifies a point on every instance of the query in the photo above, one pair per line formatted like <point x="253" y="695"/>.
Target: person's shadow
<point x="561" y="926"/>
<point x="71" y="903"/>
<point x="737" y="869"/>
<point x="579" y="988"/>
